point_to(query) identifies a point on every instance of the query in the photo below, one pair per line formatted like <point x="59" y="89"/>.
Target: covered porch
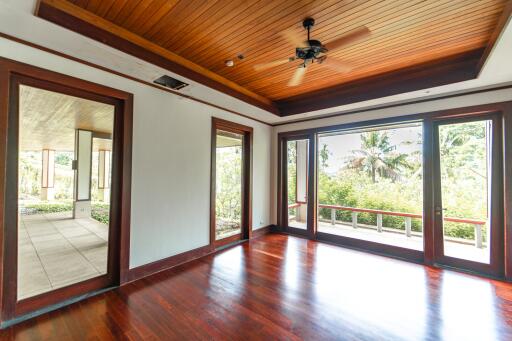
<point x="65" y="154"/>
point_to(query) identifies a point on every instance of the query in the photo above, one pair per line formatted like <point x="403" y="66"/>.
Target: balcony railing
<point x="477" y="224"/>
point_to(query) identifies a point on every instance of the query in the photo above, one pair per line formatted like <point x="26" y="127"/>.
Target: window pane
<point x="464" y="150"/>
<point x="370" y="185"/>
<point x="297" y="183"/>
<point x="228" y="186"/>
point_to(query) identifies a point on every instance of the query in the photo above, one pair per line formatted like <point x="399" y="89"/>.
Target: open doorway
<point x="66" y="201"/>
<point x="63" y="207"/>
<point x="230" y="182"/>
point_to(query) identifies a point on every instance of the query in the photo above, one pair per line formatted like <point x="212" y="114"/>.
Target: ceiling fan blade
<point x="298" y="76"/>
<point x="355" y="35"/>
<point x="337" y="65"/>
<point x="293" y="38"/>
<point x="265" y="66"/>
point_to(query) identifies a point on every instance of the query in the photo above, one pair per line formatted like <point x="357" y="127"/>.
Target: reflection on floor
<point x="56" y="250"/>
<point x="288" y="288"/>
<point x="415" y="242"/>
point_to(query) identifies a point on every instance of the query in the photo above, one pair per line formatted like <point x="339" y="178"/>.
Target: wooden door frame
<point x="12" y="74"/>
<point x="495" y="268"/>
<point x="247" y="164"/>
<point x="427" y="118"/>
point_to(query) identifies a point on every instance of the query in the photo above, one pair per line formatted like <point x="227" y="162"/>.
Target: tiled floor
<point x="55" y="250"/>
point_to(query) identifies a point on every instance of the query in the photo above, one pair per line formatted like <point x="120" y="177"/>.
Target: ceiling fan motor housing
<point x="310" y="52"/>
<point x="314" y="47"/>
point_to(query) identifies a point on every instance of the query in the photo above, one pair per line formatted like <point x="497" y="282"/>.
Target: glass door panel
<point x="468" y="194"/>
<point x="297" y="158"/>
<point x="370" y="185"/>
<point x="63" y="208"/>
<point x="228" y="184"/>
<point x="465" y="165"/>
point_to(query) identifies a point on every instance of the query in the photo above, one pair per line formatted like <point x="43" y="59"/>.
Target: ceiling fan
<point x="313" y="51"/>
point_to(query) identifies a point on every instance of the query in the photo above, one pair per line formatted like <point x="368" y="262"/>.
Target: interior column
<point x="48" y="175"/>
<point x="104" y="175"/>
<point x="82" y="167"/>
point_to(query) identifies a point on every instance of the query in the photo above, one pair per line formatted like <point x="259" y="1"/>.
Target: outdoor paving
<point x="55" y="250"/>
<point x="415" y="242"/>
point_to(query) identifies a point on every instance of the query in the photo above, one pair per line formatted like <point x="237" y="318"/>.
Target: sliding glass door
<point x="370" y="185"/>
<point x="468" y="194"/>
<point x="298" y="180"/>
<point x="426" y="190"/>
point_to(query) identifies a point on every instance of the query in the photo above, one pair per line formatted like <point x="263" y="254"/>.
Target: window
<point x="370" y="185"/>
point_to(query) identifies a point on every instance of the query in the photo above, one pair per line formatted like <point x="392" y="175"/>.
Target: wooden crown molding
<point x="74" y="18"/>
<point x="502" y="23"/>
<point x="458" y="68"/>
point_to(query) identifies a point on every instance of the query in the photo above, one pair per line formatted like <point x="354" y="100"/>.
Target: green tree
<point x="228" y="203"/>
<point x="378" y="156"/>
<point x="324" y="156"/>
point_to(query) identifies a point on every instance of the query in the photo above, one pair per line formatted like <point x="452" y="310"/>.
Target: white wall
<point x="402" y="110"/>
<point x="171" y="160"/>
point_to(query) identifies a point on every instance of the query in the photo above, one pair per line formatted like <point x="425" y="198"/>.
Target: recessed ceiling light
<point x="229" y="63"/>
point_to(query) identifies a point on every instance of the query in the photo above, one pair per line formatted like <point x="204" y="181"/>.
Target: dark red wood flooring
<point x="281" y="287"/>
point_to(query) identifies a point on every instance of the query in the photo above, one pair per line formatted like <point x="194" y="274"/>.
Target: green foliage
<point x="63" y="159"/>
<point x="378" y="157"/>
<point x="50" y="207"/>
<point x="292" y="171"/>
<point x="378" y="177"/>
<point x="30" y="177"/>
<point x="101" y="212"/>
<point x="351" y="189"/>
<point x="228" y="205"/>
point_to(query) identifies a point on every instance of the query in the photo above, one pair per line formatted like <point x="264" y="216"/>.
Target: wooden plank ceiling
<point x="404" y="33"/>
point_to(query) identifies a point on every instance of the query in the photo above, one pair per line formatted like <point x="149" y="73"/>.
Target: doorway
<point x="230" y="182"/>
<point x="68" y="153"/>
<point x="468" y="194"/>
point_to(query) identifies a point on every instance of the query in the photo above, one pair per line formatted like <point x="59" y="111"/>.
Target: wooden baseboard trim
<point x="261" y="231"/>
<point x="167" y="263"/>
<point x="185" y="257"/>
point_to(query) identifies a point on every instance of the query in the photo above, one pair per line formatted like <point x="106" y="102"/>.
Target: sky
<point x="341" y="145"/>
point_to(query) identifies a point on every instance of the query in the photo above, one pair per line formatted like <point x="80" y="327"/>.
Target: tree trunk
<point x="373" y="174"/>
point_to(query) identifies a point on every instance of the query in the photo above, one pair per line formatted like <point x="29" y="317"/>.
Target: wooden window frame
<point x="12" y="74"/>
<point x="247" y="164"/>
<point x="428" y="119"/>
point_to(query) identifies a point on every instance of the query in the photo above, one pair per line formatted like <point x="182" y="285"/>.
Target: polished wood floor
<point x="281" y="287"/>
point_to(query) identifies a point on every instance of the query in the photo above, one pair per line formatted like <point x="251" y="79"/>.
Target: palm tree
<point x="378" y="156"/>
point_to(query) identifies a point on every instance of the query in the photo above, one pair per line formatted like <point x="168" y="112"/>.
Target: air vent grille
<point x="170" y="82"/>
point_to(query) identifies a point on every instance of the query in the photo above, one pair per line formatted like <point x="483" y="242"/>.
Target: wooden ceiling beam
<point x="79" y="20"/>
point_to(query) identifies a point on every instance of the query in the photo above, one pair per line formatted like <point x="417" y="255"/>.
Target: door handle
<point x="439" y="210"/>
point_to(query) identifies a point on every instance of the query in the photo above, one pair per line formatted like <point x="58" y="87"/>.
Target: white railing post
<point x="379" y="222"/>
<point x="408" y="223"/>
<point x="478" y="236"/>
<point x="333" y="216"/>
<point x="354" y="219"/>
